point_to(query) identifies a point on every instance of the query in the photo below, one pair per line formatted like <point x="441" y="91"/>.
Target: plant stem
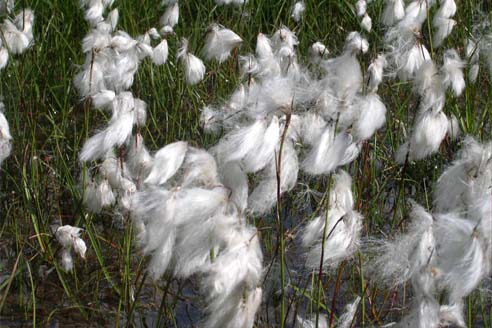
<point x="278" y="164"/>
<point x="323" y="241"/>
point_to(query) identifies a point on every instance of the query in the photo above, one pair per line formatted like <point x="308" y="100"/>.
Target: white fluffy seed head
<point x="361" y="7"/>
<point x="328" y="153"/>
<point x="167" y="161"/>
<point x="347" y="318"/>
<point x="298" y="11"/>
<point x="412" y="60"/>
<point x="372" y="117"/>
<point x="452" y="71"/>
<point x="366" y="23"/>
<point x="284" y="37"/>
<point x="219" y="43"/>
<point x="263" y="47"/>
<point x="16" y="40"/>
<point x="171" y="16"/>
<point x="4" y="57"/>
<point x="113" y="18"/>
<point x="428" y="133"/>
<point x="461" y="257"/>
<point x="447" y="9"/>
<point x="403" y="257"/>
<point x="443" y="28"/>
<point x="160" y="53"/>
<point x="311" y="323"/>
<point x="193" y="66"/>
<point x="5" y="136"/>
<point x="393" y="12"/>
<point x="341" y="241"/>
<point x="69" y="238"/>
<point x="355" y="43"/>
<point x="375" y="72"/>
<point x="318" y="51"/>
<point x="454" y="130"/>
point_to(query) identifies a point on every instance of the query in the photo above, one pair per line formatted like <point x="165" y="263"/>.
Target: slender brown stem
<point x="335" y="294"/>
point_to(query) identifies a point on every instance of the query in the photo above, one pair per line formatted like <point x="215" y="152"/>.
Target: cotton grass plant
<point x="213" y="185"/>
<point x="155" y="189"/>
<point x="447" y="254"/>
<point x="17" y="37"/>
<point x="191" y="206"/>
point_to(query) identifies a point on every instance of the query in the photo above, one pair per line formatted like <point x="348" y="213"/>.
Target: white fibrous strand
<point x="417" y="10"/>
<point x="125" y="114"/>
<point x="69" y="239"/>
<point x="454" y="131"/>
<point x="263" y="196"/>
<point x="452" y="314"/>
<point x="460" y="263"/>
<point x="168" y="233"/>
<point x="361" y="11"/>
<point x="372" y="117"/>
<point x="231" y="281"/>
<point x="428" y="133"/>
<point x="409" y="258"/>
